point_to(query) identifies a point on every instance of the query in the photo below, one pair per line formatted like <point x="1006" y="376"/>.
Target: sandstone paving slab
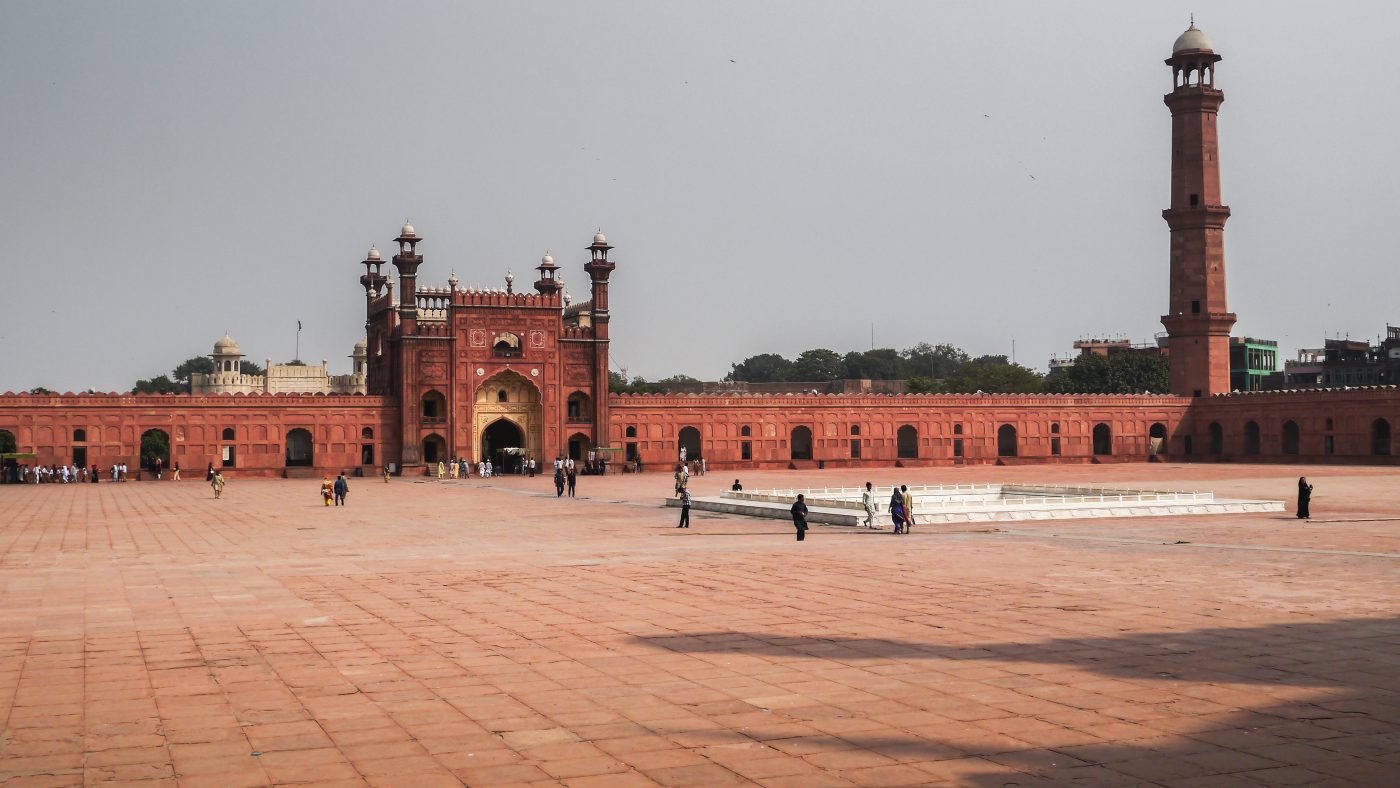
<point x="486" y="632"/>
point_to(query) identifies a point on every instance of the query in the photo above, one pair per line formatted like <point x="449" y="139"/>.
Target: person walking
<point x="1304" y="498"/>
<point x="684" y="495"/>
<point x="327" y="490"/>
<point x="867" y="499"/>
<point x="386" y="473"/>
<point x="442" y="471"/>
<point x="175" y="473"/>
<point x="908" y="508"/>
<point x="897" y="510"/>
<point x="217" y="482"/>
<point x="558" y="481"/>
<point x="208" y="475"/>
<point x="799" y="517"/>
<point x="156" y="466"/>
<point x="572" y="478"/>
<point x="342" y="486"/>
<point x="682" y="478"/>
<point x="532" y="467"/>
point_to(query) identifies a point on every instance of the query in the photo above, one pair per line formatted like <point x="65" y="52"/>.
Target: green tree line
<point x="930" y="369"/>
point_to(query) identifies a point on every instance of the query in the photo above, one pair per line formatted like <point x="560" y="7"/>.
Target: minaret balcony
<point x="1197" y="216"/>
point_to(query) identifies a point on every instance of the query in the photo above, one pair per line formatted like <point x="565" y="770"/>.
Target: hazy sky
<point x="775" y="176"/>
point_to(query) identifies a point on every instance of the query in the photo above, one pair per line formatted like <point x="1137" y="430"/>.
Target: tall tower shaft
<point x="1198" y="321"/>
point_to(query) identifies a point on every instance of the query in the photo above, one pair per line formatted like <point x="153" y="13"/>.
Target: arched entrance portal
<point x="499" y="436"/>
<point x="512" y="398"/>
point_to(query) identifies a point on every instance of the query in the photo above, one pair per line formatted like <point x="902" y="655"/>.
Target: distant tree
<point x="199" y="364"/>
<point x="1087" y="375"/>
<point x="817" y="364"/>
<point x="922" y="384"/>
<point x="41" y="390"/>
<point x="7" y="442"/>
<point x="935" y="361"/>
<point x="994" y="375"/>
<point x="160" y="384"/>
<point x="763" y="368"/>
<point x="250" y="368"/>
<point x="667" y="385"/>
<point x="618" y="384"/>
<point x="1121" y="373"/>
<point x="296" y="362"/>
<point x="1135" y="373"/>
<point x="883" y="363"/>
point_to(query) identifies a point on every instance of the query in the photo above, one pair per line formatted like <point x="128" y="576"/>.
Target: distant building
<point x="228" y="378"/>
<point x="1109" y="348"/>
<point x="1341" y="363"/>
<point x="1252" y="361"/>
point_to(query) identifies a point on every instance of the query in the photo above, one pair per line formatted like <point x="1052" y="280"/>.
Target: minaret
<point x="599" y="268"/>
<point x="547" y="283"/>
<point x="407" y="262"/>
<point x="1198" y="323"/>
<point x="372" y="279"/>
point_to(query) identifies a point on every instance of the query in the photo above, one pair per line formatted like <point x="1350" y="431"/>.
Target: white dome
<point x="373" y="253"/>
<point x="407" y="230"/>
<point x="600" y="238"/>
<point x="1193" y="38"/>
<point x="227" y="346"/>
<point x="361" y="345"/>
<point x="548" y="259"/>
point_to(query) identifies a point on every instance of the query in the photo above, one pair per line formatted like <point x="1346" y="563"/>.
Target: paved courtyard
<point x="487" y="633"/>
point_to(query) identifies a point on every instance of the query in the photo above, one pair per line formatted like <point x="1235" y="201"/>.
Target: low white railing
<point x="961" y="496"/>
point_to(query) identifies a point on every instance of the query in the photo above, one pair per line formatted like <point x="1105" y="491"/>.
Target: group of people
<point x="336" y="490"/>
<point x="51" y="474"/>
<point x="565" y="475"/>
<point x="901" y="508"/>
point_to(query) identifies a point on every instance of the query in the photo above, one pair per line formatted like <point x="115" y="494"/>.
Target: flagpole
<point x="298" y="354"/>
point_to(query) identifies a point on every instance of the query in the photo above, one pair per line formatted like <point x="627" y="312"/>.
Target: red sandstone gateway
<point x="492" y="373"/>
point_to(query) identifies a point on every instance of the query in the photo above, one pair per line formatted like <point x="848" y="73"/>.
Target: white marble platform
<point x="983" y="503"/>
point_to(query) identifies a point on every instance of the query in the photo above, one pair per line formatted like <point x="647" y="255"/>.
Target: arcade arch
<point x="801" y="443"/>
<point x="907" y="442"/>
<point x="688" y="441"/>
<point x="1006" y="440"/>
<point x="1380" y="437"/>
<point x="299" y="451"/>
<point x="1103" y="439"/>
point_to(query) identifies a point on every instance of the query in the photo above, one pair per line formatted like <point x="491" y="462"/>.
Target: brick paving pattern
<point x="487" y="633"/>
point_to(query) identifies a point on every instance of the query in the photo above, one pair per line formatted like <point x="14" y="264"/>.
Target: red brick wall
<point x="1352" y="414"/>
<point x="771" y="419"/>
<point x="114" y="423"/>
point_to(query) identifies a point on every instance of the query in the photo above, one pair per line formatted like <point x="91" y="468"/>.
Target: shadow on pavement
<point x="1221" y="720"/>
